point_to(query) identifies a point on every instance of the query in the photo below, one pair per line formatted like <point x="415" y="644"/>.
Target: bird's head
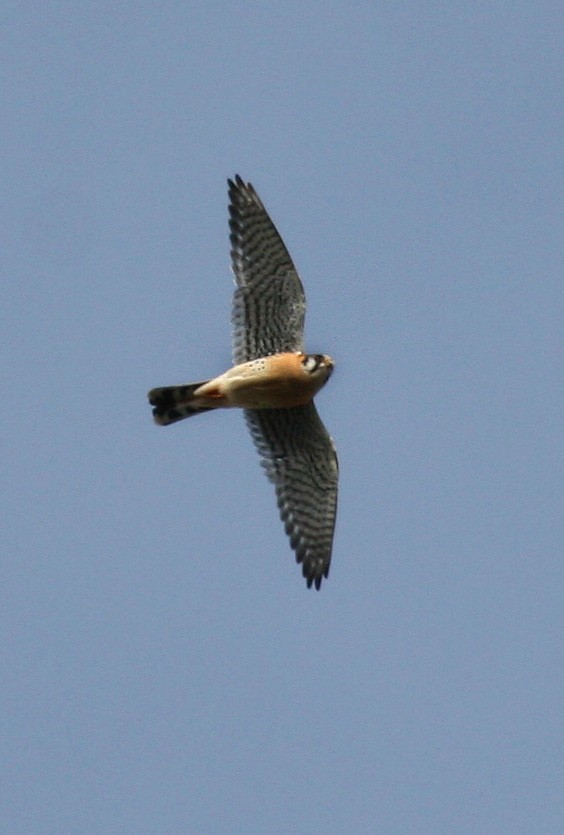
<point x="319" y="366"/>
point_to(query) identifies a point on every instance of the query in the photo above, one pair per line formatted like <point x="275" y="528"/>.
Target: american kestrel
<point x="274" y="381"/>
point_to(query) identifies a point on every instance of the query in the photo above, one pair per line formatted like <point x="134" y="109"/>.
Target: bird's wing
<point x="269" y="302"/>
<point x="299" y="457"/>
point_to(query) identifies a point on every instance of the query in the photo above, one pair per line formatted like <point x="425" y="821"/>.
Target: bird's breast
<point x="275" y="382"/>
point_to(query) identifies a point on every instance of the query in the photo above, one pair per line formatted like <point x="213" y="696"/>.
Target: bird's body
<point x="274" y="381"/>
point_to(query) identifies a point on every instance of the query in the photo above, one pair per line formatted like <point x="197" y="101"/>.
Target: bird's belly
<point x="281" y="393"/>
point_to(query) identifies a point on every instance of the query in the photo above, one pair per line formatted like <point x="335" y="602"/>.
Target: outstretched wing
<point x="269" y="302"/>
<point x="300" y="459"/>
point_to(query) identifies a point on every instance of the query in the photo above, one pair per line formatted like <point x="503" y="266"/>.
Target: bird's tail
<point x="173" y="403"/>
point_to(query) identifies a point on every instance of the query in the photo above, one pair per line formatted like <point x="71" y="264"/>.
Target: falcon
<point x="274" y="381"/>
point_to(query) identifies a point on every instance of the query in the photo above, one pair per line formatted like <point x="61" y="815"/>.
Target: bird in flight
<point x="274" y="381"/>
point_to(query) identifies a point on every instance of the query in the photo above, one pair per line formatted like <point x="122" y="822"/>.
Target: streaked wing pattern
<point x="300" y="459"/>
<point x="269" y="303"/>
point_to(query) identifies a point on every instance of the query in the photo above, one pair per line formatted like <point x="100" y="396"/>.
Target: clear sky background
<point x="165" y="669"/>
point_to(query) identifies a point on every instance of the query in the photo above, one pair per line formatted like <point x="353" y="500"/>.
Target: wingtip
<point x="313" y="580"/>
<point x="236" y="182"/>
<point x="238" y="187"/>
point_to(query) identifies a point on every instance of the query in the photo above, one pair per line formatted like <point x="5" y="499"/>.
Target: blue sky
<point x="164" y="667"/>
